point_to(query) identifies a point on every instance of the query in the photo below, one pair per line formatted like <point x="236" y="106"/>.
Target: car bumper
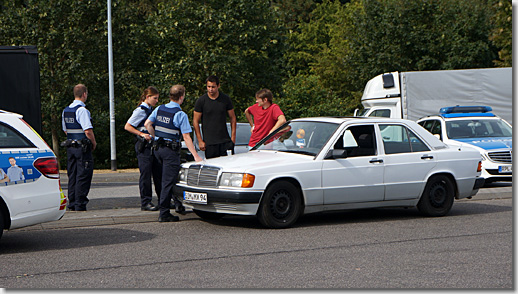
<point x="222" y="200"/>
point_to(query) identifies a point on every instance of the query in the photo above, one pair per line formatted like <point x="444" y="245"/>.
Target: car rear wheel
<point x="207" y="215"/>
<point x="280" y="206"/>
<point x="437" y="198"/>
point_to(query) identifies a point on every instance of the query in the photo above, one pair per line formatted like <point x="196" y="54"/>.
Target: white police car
<point x="30" y="190"/>
<point x="476" y="126"/>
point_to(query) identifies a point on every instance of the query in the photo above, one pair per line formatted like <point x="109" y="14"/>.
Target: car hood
<point x="489" y="143"/>
<point x="254" y="159"/>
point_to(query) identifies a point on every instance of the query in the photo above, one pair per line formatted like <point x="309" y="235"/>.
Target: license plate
<point x="505" y="169"/>
<point x="200" y="198"/>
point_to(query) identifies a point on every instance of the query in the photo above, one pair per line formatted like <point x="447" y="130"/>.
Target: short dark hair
<point x="79" y="90"/>
<point x="176" y="92"/>
<point x="212" y="79"/>
<point x="265" y="93"/>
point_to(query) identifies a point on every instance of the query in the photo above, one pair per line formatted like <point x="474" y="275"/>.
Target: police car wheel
<point x="207" y="215"/>
<point x="437" y="198"/>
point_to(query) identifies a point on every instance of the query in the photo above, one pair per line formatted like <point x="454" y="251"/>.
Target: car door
<point x="359" y="176"/>
<point x="408" y="160"/>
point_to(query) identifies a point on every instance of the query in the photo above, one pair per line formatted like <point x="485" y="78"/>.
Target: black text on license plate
<point x="195" y="197"/>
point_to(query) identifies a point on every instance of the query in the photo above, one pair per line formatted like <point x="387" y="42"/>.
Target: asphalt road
<point x="471" y="248"/>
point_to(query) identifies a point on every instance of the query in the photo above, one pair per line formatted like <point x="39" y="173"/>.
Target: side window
<point x="10" y="138"/>
<point x="433" y="126"/>
<point x="381" y="113"/>
<point x="358" y="141"/>
<point x="399" y="139"/>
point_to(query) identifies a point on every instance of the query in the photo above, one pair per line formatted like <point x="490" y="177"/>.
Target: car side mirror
<point x="336" y="153"/>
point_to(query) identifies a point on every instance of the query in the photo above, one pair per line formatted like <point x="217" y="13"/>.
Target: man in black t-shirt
<point x="211" y="111"/>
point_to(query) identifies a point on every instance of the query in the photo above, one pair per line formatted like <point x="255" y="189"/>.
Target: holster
<point x="141" y="144"/>
<point x="86" y="144"/>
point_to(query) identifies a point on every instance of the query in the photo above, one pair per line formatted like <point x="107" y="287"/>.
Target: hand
<point x="252" y="129"/>
<point x="201" y="144"/>
<point x="147" y="137"/>
<point x="197" y="158"/>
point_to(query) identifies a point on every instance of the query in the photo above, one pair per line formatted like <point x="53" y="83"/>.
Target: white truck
<point x="416" y="94"/>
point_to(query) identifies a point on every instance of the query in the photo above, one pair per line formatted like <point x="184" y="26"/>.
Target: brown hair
<point x="148" y="91"/>
<point x="176" y="92"/>
<point x="79" y="90"/>
<point x="265" y="93"/>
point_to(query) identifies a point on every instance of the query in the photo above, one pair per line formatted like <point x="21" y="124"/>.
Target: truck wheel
<point x="437" y="198"/>
<point x="280" y="206"/>
<point x="207" y="215"/>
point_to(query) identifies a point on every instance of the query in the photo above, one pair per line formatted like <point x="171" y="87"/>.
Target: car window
<point x="433" y="126"/>
<point x="358" y="141"/>
<point x="477" y="128"/>
<point x="243" y="133"/>
<point x="380" y="113"/>
<point x="10" y="138"/>
<point x="399" y="139"/>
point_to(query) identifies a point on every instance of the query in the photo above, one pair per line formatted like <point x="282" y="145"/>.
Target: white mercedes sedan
<point x="327" y="163"/>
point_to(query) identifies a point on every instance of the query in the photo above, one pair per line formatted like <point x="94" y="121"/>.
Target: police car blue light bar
<point x="465" y="109"/>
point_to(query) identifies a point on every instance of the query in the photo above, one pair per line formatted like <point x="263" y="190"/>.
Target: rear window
<point x="11" y="138"/>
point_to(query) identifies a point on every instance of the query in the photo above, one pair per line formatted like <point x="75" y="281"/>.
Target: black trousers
<point x="149" y="167"/>
<point x="217" y="150"/>
<point x="80" y="169"/>
<point x="170" y="161"/>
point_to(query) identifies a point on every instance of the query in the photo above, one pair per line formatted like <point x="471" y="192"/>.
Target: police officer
<point x="80" y="143"/>
<point x="147" y="163"/>
<point x="169" y="123"/>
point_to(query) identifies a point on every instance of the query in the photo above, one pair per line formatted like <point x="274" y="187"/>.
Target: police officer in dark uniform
<point x="147" y="163"/>
<point x="77" y="125"/>
<point x="170" y="122"/>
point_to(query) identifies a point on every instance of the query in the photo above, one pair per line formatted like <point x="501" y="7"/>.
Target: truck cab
<point x="382" y="97"/>
<point x="477" y="127"/>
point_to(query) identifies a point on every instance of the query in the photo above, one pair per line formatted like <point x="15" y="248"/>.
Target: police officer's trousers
<point x="149" y="167"/>
<point x="80" y="169"/>
<point x="170" y="161"/>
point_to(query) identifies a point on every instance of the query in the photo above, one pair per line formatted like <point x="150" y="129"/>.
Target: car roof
<point x="339" y="120"/>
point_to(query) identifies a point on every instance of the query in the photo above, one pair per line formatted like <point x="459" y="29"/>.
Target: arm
<point x="128" y="127"/>
<point x="196" y="123"/>
<point x="90" y="135"/>
<point x="190" y="146"/>
<point x="233" y="124"/>
<point x="149" y="127"/>
<point x="5" y="178"/>
<point x="250" y="119"/>
<point x="280" y="121"/>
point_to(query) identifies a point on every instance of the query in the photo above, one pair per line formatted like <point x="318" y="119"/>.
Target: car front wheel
<point x="280" y="206"/>
<point x="437" y="198"/>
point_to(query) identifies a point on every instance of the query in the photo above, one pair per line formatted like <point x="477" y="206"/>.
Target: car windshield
<point x="477" y="128"/>
<point x="304" y="137"/>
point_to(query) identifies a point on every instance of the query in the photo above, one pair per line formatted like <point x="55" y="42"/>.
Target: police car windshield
<point x="477" y="128"/>
<point x="304" y="137"/>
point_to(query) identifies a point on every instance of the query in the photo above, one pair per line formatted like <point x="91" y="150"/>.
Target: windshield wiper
<point x="298" y="151"/>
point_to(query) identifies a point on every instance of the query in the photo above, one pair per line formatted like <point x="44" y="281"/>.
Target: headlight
<point x="182" y="175"/>
<point x="237" y="180"/>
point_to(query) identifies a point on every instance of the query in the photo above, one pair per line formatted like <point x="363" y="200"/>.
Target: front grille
<point x="503" y="156"/>
<point x="201" y="175"/>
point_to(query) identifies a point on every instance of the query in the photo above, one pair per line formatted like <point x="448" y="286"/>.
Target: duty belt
<point x="174" y="145"/>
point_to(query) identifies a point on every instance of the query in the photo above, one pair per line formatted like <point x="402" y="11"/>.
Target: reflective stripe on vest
<point x="74" y="129"/>
<point x="164" y="127"/>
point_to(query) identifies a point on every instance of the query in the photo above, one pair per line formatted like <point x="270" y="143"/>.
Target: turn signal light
<point x="479" y="168"/>
<point x="248" y="181"/>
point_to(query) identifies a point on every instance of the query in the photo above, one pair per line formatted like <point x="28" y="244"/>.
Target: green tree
<point x="502" y="34"/>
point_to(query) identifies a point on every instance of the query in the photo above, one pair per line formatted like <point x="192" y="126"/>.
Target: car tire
<point x="207" y="215"/>
<point x="2" y="225"/>
<point x="437" y="198"/>
<point x="281" y="206"/>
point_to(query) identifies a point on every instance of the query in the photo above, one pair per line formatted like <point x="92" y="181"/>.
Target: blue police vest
<point x="164" y="127"/>
<point x="140" y="126"/>
<point x="74" y="129"/>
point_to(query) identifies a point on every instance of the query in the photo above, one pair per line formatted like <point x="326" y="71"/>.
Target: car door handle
<point x="375" y="160"/>
<point x="426" y="157"/>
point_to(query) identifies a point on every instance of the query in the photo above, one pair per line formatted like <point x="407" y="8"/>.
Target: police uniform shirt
<point x="15" y="173"/>
<point x="138" y="115"/>
<point x="82" y="116"/>
<point x="180" y="120"/>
